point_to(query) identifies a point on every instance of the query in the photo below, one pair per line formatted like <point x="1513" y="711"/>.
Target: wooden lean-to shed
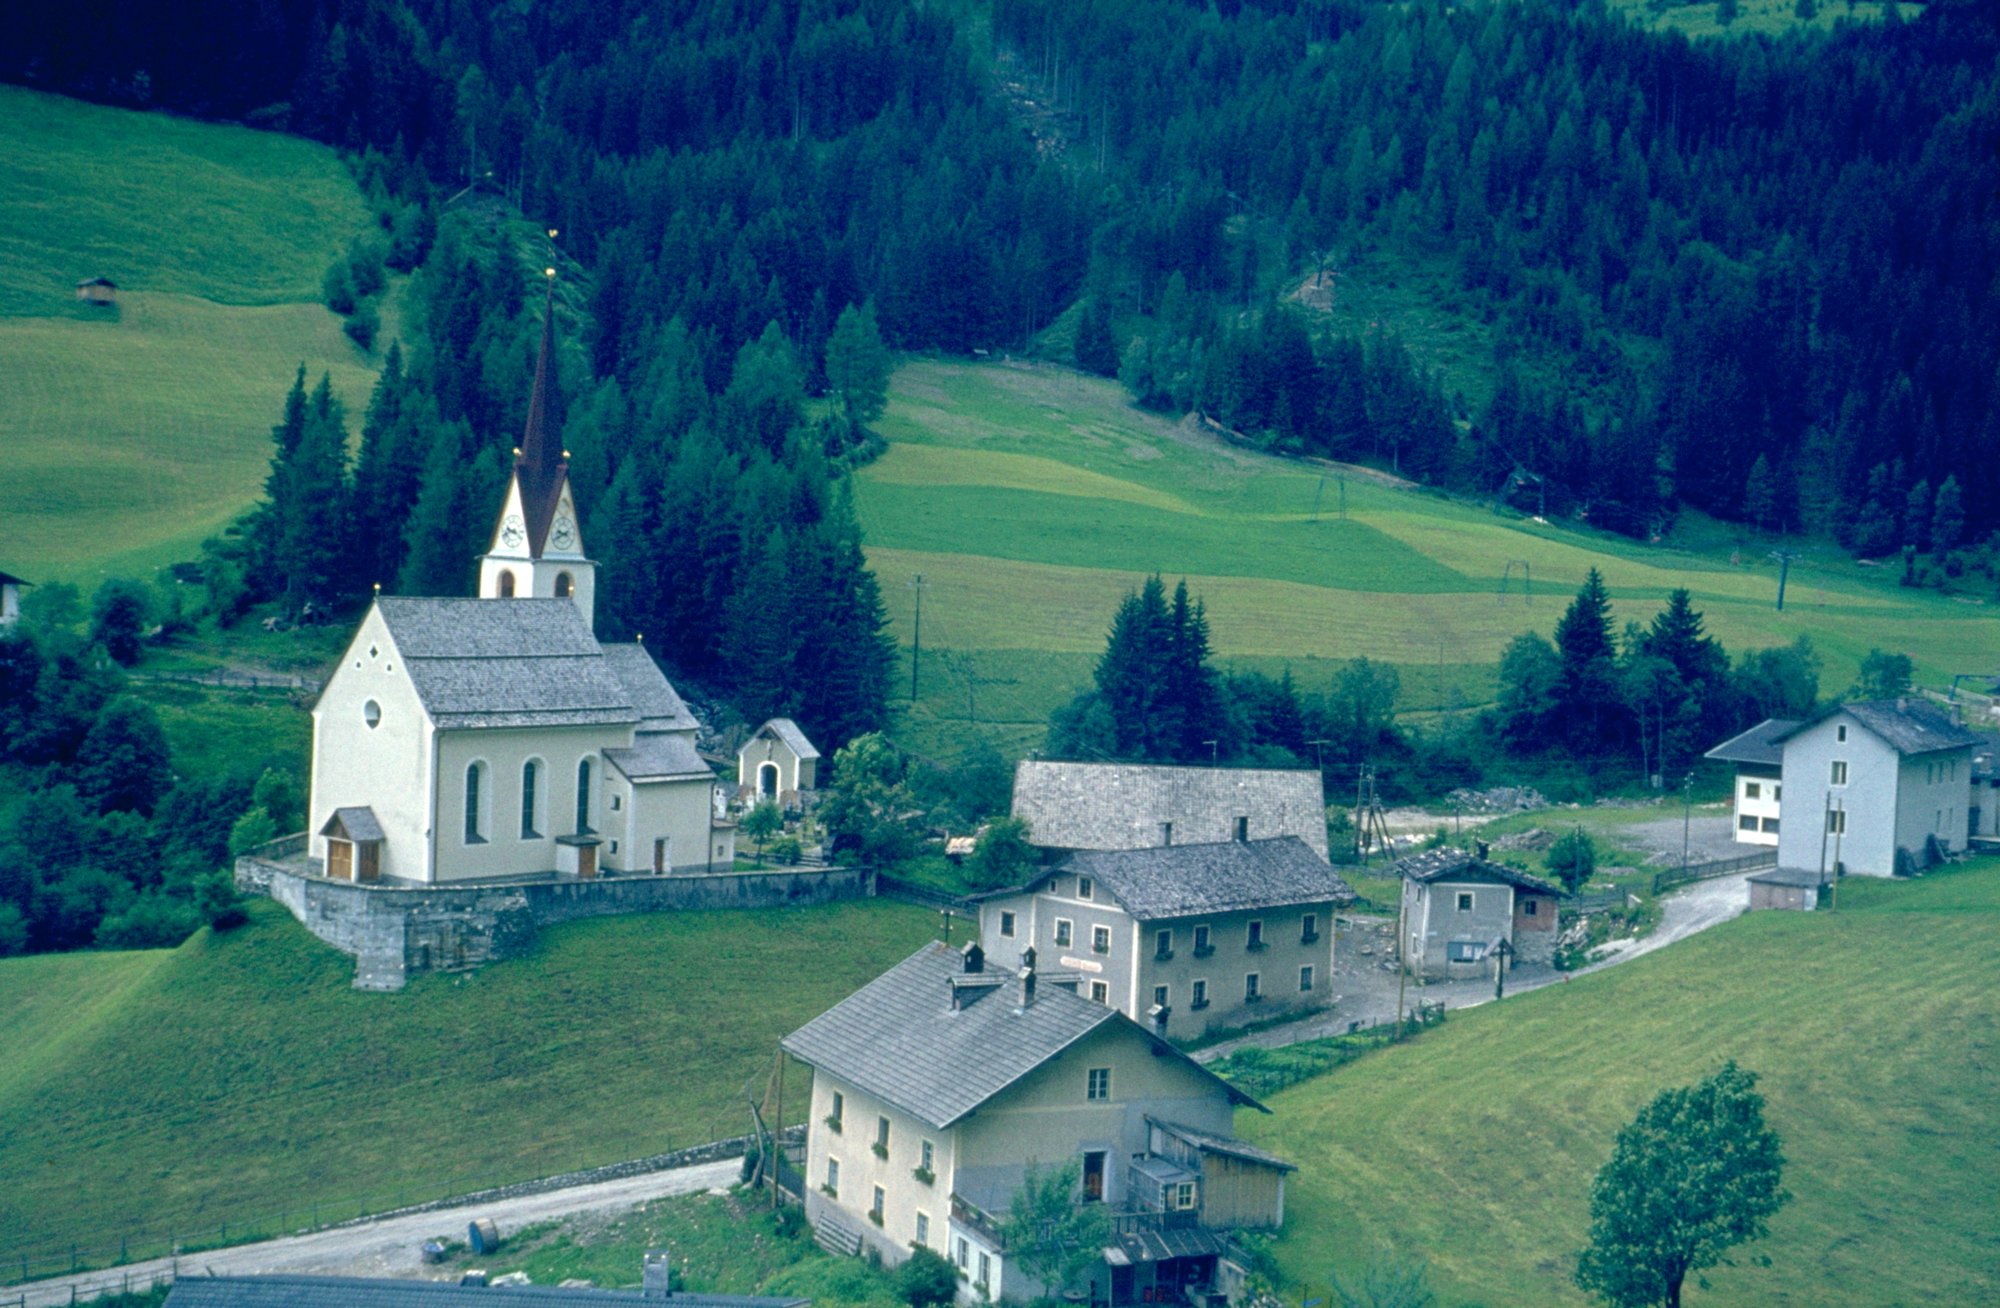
<point x="97" y="290"/>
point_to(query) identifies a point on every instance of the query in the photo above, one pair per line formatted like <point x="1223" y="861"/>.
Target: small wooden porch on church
<point x="353" y="845"/>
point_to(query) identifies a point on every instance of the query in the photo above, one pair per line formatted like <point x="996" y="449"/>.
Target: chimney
<point x="1027" y="976"/>
<point x="1479" y="849"/>
<point x="658" y="1271"/>
<point x="974" y="956"/>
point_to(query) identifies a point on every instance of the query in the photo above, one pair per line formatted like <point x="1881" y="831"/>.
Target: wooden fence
<point x="1721" y="867"/>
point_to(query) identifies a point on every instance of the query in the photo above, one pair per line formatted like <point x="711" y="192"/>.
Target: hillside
<point x="141" y="429"/>
<point x="1874" y="1033"/>
<point x="1031" y="498"/>
<point x="146" y="1095"/>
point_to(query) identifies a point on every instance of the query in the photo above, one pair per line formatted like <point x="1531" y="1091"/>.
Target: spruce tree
<point x="1948" y="516"/>
<point x="1760" y="494"/>
<point x="1586" y="656"/>
<point x="858" y="365"/>
<point x="310" y="505"/>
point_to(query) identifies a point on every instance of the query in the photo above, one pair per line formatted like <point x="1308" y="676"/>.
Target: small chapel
<point x="492" y="738"/>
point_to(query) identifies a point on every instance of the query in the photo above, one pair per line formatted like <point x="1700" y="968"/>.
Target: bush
<point x="364" y="268"/>
<point x="118" y="614"/>
<point x="362" y="326"/>
<point x="152" y="922"/>
<point x="1573" y="859"/>
<point x="788" y="851"/>
<point x="337" y="288"/>
<point x="927" y="1279"/>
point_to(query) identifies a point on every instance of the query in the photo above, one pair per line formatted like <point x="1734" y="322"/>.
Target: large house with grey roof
<point x="940" y="1083"/>
<point x="1185" y="938"/>
<point x="1871" y="782"/>
<point x="1141" y="805"/>
<point x="472" y="739"/>
<point x="1465" y="915"/>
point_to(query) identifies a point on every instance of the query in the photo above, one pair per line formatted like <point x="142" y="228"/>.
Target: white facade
<point x="1855" y="800"/>
<point x="1756" y="807"/>
<point x="513" y="569"/>
<point x="374" y="747"/>
<point x="10" y="601"/>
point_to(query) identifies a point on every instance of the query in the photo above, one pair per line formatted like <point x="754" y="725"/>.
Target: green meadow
<point x="1030" y="499"/>
<point x="139" y="429"/>
<point x="240" y="1079"/>
<point x="1874" y="1034"/>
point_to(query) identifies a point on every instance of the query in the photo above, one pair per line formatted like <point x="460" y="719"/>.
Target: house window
<point x="583" y="797"/>
<point x="1252" y="988"/>
<point x="1166" y="833"/>
<point x="1007" y="924"/>
<point x="1100" y="940"/>
<point x="1097" y="1084"/>
<point x="1309" y="929"/>
<point x="1836" y="822"/>
<point x="1163" y="944"/>
<point x="1256" y="937"/>
<point x="1777" y="794"/>
<point x="1064" y="929"/>
<point x="833" y="1119"/>
<point x="882" y="1137"/>
<point x="875" y="1209"/>
<point x="923" y="1228"/>
<point x="1840" y="733"/>
<point x="985" y="1280"/>
<point x="617" y="802"/>
<point x="1746" y="823"/>
<point x="1465" y="901"/>
<point x="1198" y="996"/>
<point x="1531" y="907"/>
<point x="1771" y="826"/>
<point x="1243" y="828"/>
<point x="475" y="817"/>
<point x="1181" y="1199"/>
<point x="1160" y="994"/>
<point x="1202" y="949"/>
<point x="1100" y="993"/>
<point x="1839" y="772"/>
<point x="959" y="1254"/>
<point x="925" y="1153"/>
<point x="1084" y="888"/>
<point x="530" y="775"/>
<point x="1752" y="790"/>
<point x="1306" y="978"/>
<point x="833" y="1177"/>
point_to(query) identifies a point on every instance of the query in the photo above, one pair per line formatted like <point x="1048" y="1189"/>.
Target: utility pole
<point x="1687" y="817"/>
<point x="1402" y="950"/>
<point x="1360" y="817"/>
<point x="1825" y="826"/>
<point x="917" y="637"/>
<point x="1784" y="558"/>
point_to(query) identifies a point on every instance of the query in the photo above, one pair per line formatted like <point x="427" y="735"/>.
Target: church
<point x="463" y="740"/>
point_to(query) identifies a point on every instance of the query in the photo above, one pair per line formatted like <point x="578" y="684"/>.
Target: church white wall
<point x="385" y="767"/>
<point x="504" y="851"/>
<point x="677" y="810"/>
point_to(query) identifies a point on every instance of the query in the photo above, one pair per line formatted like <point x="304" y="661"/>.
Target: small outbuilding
<point x="10" y="598"/>
<point x="97" y="290"/>
<point x="1795" y="888"/>
<point x="778" y="764"/>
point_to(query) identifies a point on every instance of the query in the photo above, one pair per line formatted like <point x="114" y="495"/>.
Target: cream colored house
<point x="939" y="1083"/>
<point x="469" y="739"/>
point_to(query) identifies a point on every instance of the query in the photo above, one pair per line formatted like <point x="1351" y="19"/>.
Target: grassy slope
<point x="163" y="1091"/>
<point x="1030" y="499"/>
<point x="139" y="430"/>
<point x="1875" y="1035"/>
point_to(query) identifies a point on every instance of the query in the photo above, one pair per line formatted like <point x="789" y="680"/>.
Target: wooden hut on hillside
<point x="97" y="290"/>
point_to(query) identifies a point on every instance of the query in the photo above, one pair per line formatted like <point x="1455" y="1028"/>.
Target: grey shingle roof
<point x="1912" y="725"/>
<point x="1758" y="746"/>
<point x="659" y="756"/>
<point x="1222" y="1144"/>
<point x="788" y="731"/>
<point x="1790" y="876"/>
<point x="1122" y="805"/>
<point x="660" y="706"/>
<point x="1228" y="876"/>
<point x="505" y="663"/>
<point x="1453" y="864"/>
<point x="378" y="1292"/>
<point x="899" y="1039"/>
<point x="355" y="823"/>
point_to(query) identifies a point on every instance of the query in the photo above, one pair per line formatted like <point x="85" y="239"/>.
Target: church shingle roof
<point x="505" y="663"/>
<point x="660" y="706"/>
<point x="787" y="732"/>
<point x="1123" y="805"/>
<point x="659" y="756"/>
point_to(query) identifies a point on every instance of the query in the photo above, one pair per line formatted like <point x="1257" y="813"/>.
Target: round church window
<point x="371" y="713"/>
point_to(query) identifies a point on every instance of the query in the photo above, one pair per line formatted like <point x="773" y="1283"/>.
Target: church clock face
<point x="563" y="533"/>
<point x="512" y="533"/>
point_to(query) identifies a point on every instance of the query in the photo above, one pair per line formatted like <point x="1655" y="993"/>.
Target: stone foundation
<point x="395" y="932"/>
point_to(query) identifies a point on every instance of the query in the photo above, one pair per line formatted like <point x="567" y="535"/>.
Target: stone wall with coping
<point x="394" y="932"/>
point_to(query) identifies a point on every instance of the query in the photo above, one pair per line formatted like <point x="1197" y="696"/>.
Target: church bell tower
<point x="537" y="548"/>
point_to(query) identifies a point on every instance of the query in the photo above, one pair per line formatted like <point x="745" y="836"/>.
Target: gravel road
<point x="387" y="1247"/>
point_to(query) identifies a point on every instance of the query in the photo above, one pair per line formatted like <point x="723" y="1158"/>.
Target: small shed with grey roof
<point x="1141" y="805"/>
<point x="291" y="1291"/>
<point x="1786" y="887"/>
<point x="1464" y="913"/>
<point x="777" y="763"/>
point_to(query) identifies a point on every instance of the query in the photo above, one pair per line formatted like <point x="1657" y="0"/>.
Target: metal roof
<point x="1122" y="805"/>
<point x="898" y="1037"/>
<point x="1228" y="876"/>
<point x="1451" y="864"/>
<point x="382" y="1292"/>
<point x="1758" y="746"/>
<point x="659" y="756"/>
<point x="505" y="663"/>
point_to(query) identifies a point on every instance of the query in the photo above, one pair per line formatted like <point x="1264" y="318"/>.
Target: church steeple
<point x="537" y="546"/>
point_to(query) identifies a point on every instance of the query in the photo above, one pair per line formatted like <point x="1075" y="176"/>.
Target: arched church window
<point x="583" y="797"/>
<point x="564" y="585"/>
<point x="530" y="784"/>
<point x="506" y="584"/>
<point x="475" y="818"/>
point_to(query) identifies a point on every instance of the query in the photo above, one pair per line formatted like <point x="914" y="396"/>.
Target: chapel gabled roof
<point x="505" y="663"/>
<point x="541" y="468"/>
<point x="787" y="732"/>
<point x="900" y="1039"/>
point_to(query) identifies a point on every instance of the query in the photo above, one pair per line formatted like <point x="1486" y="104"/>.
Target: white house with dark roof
<point x="469" y="739"/>
<point x="1187" y="939"/>
<point x="777" y="763"/>
<point x="1758" y="755"/>
<point x="938" y="1084"/>
<point x="1864" y="781"/>
<point x="1460" y="908"/>
<point x="1142" y="805"/>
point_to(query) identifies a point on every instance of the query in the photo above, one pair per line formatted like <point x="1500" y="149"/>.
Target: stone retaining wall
<point x="395" y="932"/>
